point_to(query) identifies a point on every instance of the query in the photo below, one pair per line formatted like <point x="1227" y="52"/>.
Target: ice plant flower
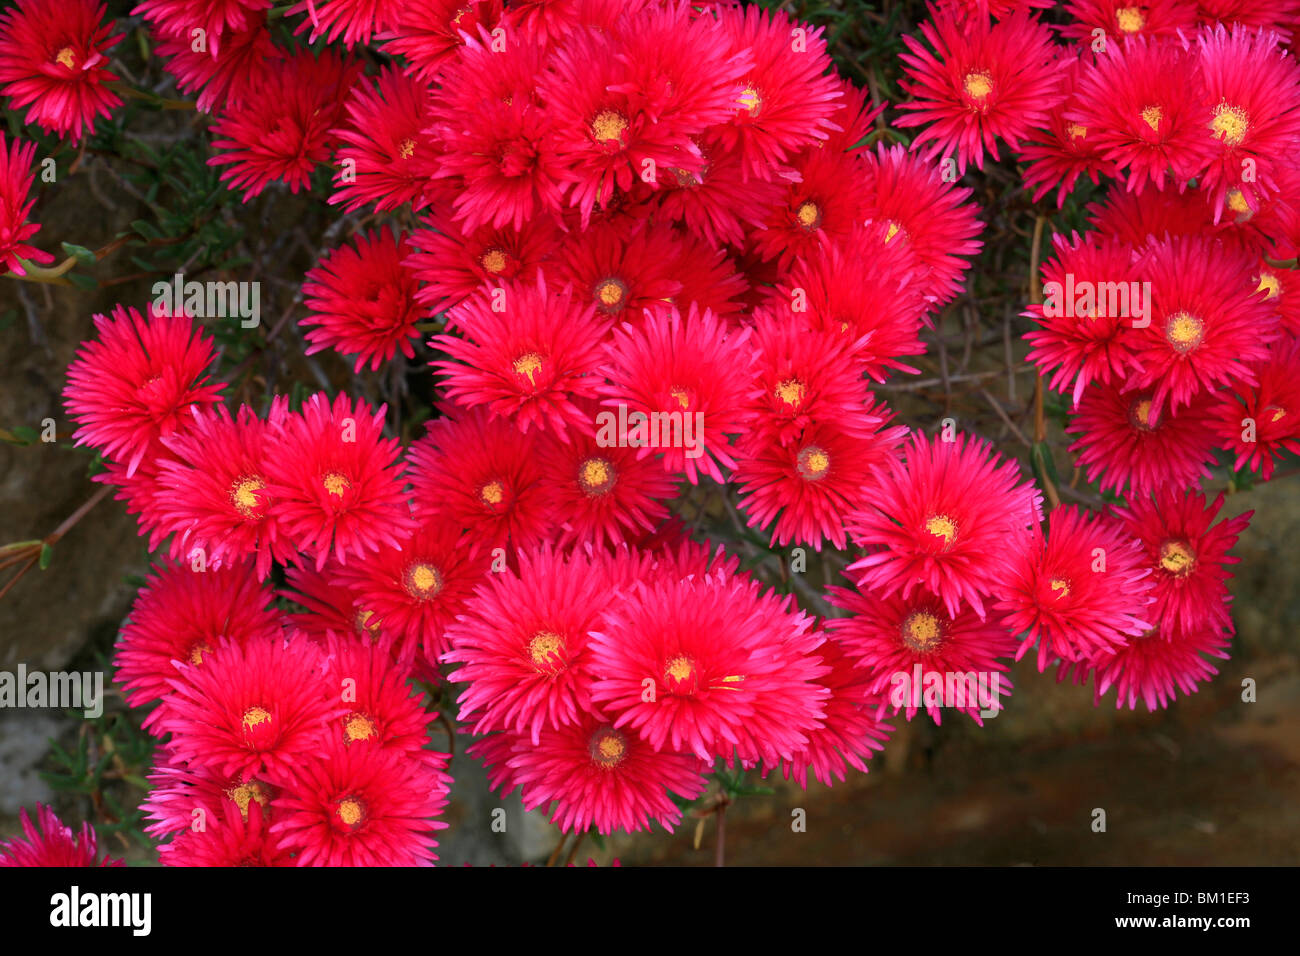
<point x="1125" y="440"/>
<point x="731" y="669"/>
<point x="334" y="481"/>
<point x="285" y="132"/>
<point x="685" y="374"/>
<point x="16" y="177"/>
<point x="527" y="351"/>
<point x="362" y="806"/>
<point x="137" y="382"/>
<point x="1080" y="591"/>
<point x="522" y="641"/>
<point x="54" y="59"/>
<point x="980" y="82"/>
<point x="362" y="301"/>
<point x="260" y="707"/>
<point x="1093" y="299"/>
<point x="1188" y="554"/>
<point x="183" y="615"/>
<point x="948" y="518"/>
<point x="593" y="776"/>
<point x="912" y="648"/>
<point x="51" y="842"/>
<point x="211" y="494"/>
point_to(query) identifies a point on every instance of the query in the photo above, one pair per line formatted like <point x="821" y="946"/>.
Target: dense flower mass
<point x="626" y="292"/>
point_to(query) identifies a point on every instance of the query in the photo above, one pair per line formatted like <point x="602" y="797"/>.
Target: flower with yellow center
<point x="67" y="57"/>
<point x="1076" y="131"/>
<point x="1060" y="587"/>
<point x="751" y="100"/>
<point x="1152" y="115"/>
<point x="407" y="148"/>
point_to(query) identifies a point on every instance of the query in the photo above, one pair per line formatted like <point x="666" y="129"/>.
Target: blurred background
<point x="1212" y="780"/>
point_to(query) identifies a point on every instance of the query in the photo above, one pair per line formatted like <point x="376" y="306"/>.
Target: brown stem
<point x="720" y="847"/>
<point x="555" y="854"/>
<point x="573" y="851"/>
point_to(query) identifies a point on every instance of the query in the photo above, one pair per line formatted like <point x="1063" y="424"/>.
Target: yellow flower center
<point x="922" y="632"/>
<point x="407" y="148"/>
<point x="791" y="392"/>
<point x="422" y="581"/>
<point x="1230" y="124"/>
<point x="610" y="293"/>
<point x="493" y="261"/>
<point x="1184" y="331"/>
<point x="808" y="215"/>
<point x="544" y="647"/>
<point x="358" y="726"/>
<point x="246" y="793"/>
<point x="608" y="126"/>
<point x="1270" y="283"/>
<point x="351" y="810"/>
<point x="813" y="463"/>
<point x="493" y="493"/>
<point x="942" y="526"/>
<point x="1152" y="115"/>
<point x="751" y="100"/>
<point x="1142" y="414"/>
<point x="200" y="647"/>
<point x="67" y="57"/>
<point x="336" y="484"/>
<point x="1076" y="131"/>
<point x="978" y="85"/>
<point x="243" y="495"/>
<point x="608" y="747"/>
<point x="1061" y="586"/>
<point x="255" y="716"/>
<point x="1130" y="19"/>
<point x="596" y="476"/>
<point x="528" y="365"/>
<point x="1237" y="202"/>
<point x="1178" y="558"/>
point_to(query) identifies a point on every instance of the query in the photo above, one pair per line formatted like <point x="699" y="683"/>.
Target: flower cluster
<point x="665" y="254"/>
<point x="1170" y="324"/>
